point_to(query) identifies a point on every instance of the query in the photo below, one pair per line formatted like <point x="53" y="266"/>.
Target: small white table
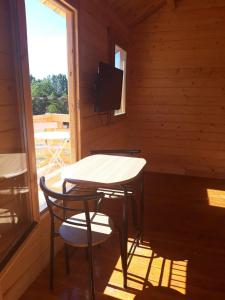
<point x="63" y="136"/>
<point x="109" y="171"/>
<point x="105" y="170"/>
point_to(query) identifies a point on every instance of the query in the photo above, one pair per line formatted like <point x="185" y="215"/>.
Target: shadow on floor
<point x="160" y="293"/>
<point x="182" y="258"/>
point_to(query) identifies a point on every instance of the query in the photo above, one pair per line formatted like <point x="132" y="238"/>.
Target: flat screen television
<point x="108" y="88"/>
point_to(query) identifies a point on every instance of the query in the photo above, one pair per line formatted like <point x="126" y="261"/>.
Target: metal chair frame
<point x="126" y="193"/>
<point x="59" y="211"/>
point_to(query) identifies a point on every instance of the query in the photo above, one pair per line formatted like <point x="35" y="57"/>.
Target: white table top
<point x="12" y="164"/>
<point x="105" y="169"/>
<point x="52" y="135"/>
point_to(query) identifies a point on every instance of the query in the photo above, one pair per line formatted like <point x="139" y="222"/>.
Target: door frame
<point x="73" y="72"/>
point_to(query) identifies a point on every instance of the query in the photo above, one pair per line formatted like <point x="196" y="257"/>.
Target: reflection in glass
<point x="15" y="212"/>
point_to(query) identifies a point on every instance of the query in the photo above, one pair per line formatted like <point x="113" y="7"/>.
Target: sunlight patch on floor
<point x="178" y="276"/>
<point x="147" y="269"/>
<point x="216" y="197"/>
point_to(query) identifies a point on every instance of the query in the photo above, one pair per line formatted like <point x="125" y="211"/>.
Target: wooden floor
<point x="182" y="257"/>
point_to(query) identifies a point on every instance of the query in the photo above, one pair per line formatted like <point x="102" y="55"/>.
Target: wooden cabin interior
<point x="173" y="111"/>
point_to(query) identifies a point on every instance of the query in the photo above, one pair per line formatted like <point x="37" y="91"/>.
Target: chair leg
<point x="86" y="254"/>
<point x="142" y="208"/>
<point x="123" y="258"/>
<point x="91" y="273"/>
<point x="66" y="252"/>
<point x="51" y="261"/>
<point x="134" y="210"/>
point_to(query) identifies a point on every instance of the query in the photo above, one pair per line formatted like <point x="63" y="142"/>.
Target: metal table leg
<point x="125" y="226"/>
<point x="142" y="208"/>
<point x="124" y="237"/>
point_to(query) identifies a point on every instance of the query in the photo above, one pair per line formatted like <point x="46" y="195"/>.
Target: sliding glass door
<point x="19" y="207"/>
<point x="16" y="217"/>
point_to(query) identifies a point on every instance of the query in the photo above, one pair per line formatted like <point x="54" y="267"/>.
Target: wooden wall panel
<point x="9" y="121"/>
<point x="97" y="130"/>
<point x="176" y="89"/>
<point x="29" y="261"/>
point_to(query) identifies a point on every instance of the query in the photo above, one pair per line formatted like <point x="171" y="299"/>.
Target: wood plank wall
<point x="94" y="17"/>
<point x="96" y="130"/>
<point x="9" y="121"/>
<point x="176" y="89"/>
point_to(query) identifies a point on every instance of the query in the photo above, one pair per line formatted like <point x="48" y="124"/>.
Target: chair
<point x="79" y="227"/>
<point x="115" y="192"/>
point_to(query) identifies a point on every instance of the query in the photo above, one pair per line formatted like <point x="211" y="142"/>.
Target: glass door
<point x="16" y="217"/>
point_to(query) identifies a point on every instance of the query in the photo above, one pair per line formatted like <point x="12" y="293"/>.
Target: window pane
<point x="117" y="60"/>
<point x="15" y="209"/>
<point x="120" y="63"/>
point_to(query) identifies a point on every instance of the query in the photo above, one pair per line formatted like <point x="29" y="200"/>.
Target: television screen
<point x="109" y="88"/>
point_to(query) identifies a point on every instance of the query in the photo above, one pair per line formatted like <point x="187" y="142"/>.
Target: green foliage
<point x="32" y="78"/>
<point x="41" y="88"/>
<point x="59" y="84"/>
<point x="49" y="94"/>
<point x="52" y="108"/>
<point x="39" y="106"/>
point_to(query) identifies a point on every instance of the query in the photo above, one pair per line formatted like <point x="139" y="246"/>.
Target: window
<point x="121" y="63"/>
<point x="16" y="210"/>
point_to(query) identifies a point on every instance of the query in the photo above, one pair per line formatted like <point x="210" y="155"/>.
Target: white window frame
<point x="123" y="67"/>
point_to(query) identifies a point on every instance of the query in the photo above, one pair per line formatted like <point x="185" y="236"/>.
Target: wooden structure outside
<point x="62" y="120"/>
<point x="51" y="122"/>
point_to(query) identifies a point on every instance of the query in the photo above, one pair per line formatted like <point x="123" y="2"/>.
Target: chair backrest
<point x="59" y="204"/>
<point x="124" y="152"/>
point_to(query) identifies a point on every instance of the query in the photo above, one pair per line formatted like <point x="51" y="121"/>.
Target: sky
<point x="117" y="60"/>
<point x="46" y="34"/>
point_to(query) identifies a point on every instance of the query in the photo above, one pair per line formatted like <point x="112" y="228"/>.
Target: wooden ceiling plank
<point x="134" y="12"/>
<point x="118" y="5"/>
<point x="147" y="13"/>
<point x="172" y="4"/>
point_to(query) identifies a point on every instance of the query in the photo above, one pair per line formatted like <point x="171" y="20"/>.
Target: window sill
<point x="120" y="116"/>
